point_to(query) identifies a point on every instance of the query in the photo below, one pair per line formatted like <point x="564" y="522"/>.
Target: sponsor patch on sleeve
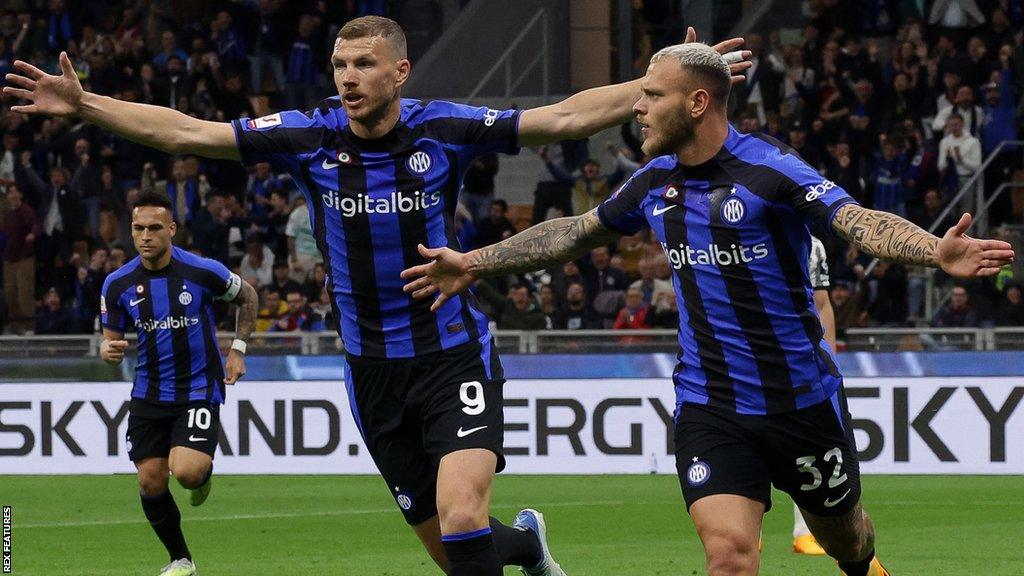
<point x="268" y="121"/>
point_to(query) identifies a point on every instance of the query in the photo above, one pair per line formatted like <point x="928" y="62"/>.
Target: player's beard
<point x="677" y="133"/>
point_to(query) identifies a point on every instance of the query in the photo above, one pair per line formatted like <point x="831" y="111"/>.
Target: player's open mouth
<point x="353" y="99"/>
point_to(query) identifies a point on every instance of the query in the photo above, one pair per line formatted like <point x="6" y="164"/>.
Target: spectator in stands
<point x="972" y="116"/>
<point x="257" y="267"/>
<point x="268" y="41"/>
<point x="59" y="210"/>
<point x="210" y="230"/>
<point x="628" y="253"/>
<point x="590" y="189"/>
<point x="496" y="227"/>
<point x="889" y="194"/>
<point x="958" y="312"/>
<point x="261" y="184"/>
<point x="1010" y="310"/>
<point x="653" y="288"/>
<point x="276" y="222"/>
<point x="302" y="250"/>
<point x="888" y="288"/>
<point x="186" y="193"/>
<point x="316" y="282"/>
<point x="87" y="285"/>
<point x="575" y="313"/>
<point x="53" y="317"/>
<point x="299" y="317"/>
<point x="303" y="69"/>
<point x="282" y="283"/>
<point x="273" y="308"/>
<point x="517" y="311"/>
<point x="925" y="215"/>
<point x="169" y="49"/>
<point x="960" y="154"/>
<point x="87" y="184"/>
<point x="848" y="307"/>
<point x="478" y="185"/>
<point x="601" y="276"/>
<point x="548" y="305"/>
<point x="230" y="45"/>
<point x="21" y="228"/>
<point x="634" y="315"/>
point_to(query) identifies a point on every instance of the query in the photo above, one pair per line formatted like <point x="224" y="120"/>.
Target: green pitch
<point x="612" y="525"/>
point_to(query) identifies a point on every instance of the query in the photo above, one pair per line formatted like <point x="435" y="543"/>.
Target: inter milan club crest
<point x="185" y="298"/>
<point x="734" y="210"/>
<point x="404" y="500"/>
<point x="698" y="473"/>
<point x="419" y="162"/>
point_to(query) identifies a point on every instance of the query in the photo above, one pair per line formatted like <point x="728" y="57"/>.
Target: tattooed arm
<point x="891" y="237"/>
<point x="245" y="319"/>
<point x="541" y="246"/>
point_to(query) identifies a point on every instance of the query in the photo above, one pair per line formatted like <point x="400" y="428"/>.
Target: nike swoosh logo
<point x="196" y="439"/>
<point x="463" y="433"/>
<point x="135" y="302"/>
<point x="329" y="165"/>
<point x="830" y="503"/>
<point x="659" y="211"/>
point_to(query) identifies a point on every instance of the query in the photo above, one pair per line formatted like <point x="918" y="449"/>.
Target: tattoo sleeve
<point x="885" y="235"/>
<point x="543" y="245"/>
<point x="245" y="318"/>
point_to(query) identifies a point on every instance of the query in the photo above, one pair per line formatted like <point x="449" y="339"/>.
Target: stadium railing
<point x="551" y="342"/>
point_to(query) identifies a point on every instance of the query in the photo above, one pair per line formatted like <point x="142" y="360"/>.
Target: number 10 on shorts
<point x="199" y="417"/>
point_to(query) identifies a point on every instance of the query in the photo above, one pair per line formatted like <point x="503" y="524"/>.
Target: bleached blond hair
<point x="707" y="66"/>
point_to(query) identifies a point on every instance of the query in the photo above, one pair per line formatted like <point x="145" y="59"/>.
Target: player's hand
<point x="112" y="351"/>
<point x="738" y="60"/>
<point x="448" y="272"/>
<point x="53" y="95"/>
<point x="961" y="256"/>
<point x="235" y="367"/>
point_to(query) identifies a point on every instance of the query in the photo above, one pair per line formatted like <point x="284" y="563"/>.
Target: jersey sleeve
<point x="817" y="265"/>
<point x="814" y="197"/>
<point x="279" y="138"/>
<point x="473" y="131"/>
<point x="622" y="212"/>
<point x="221" y="282"/>
<point x="113" y="315"/>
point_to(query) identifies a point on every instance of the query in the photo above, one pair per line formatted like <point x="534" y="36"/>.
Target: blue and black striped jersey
<point x="372" y="201"/>
<point x="735" y="229"/>
<point x="171" y="310"/>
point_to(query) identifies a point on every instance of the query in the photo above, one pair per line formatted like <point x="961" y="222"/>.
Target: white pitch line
<point x="292" y="515"/>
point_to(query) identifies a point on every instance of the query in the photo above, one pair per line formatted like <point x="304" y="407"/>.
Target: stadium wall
<point x="580" y="425"/>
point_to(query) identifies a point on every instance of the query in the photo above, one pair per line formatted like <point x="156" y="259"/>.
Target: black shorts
<point x="412" y="412"/>
<point x="809" y="454"/>
<point x="154" y="428"/>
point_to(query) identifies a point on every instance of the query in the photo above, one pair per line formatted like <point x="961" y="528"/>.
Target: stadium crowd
<point x="896" y="105"/>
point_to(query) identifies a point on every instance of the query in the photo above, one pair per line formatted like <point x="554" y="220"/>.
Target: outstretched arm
<point x="541" y="246"/>
<point x="591" y="111"/>
<point x="892" y="238"/>
<point x="161" y="128"/>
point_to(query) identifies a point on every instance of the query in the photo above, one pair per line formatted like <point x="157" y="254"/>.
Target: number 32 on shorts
<point x="806" y="465"/>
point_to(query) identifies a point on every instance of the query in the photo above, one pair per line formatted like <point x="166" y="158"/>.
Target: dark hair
<point x="155" y="200"/>
<point x="376" y="26"/>
<point x="501" y="204"/>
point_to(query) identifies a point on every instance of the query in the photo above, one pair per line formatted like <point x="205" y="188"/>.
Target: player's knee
<point x="731" y="554"/>
<point x="151" y="483"/>
<point x="463" y="517"/>
<point x="190" y="476"/>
